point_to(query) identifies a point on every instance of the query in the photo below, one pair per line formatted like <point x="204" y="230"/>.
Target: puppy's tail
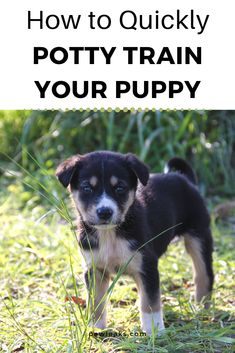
<point x="179" y="165"/>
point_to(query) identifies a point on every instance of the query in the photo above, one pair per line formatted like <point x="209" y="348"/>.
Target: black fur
<point x="179" y="165"/>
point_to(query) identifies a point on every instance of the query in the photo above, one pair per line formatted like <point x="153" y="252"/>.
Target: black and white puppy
<point x="127" y="219"/>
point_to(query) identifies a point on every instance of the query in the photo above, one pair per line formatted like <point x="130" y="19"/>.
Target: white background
<point x="18" y="73"/>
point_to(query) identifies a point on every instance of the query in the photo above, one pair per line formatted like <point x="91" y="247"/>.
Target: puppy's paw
<point x="152" y="320"/>
<point x="101" y="323"/>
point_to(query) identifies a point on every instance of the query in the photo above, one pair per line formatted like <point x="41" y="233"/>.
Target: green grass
<point x="40" y="266"/>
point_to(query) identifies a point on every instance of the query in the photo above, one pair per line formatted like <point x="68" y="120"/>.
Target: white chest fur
<point x="113" y="253"/>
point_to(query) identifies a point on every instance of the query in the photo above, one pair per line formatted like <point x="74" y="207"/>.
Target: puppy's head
<point x="103" y="185"/>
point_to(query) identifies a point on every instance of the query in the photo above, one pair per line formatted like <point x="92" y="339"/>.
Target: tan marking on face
<point x="201" y="278"/>
<point x="113" y="180"/>
<point x="78" y="205"/>
<point x="93" y="181"/>
<point x="129" y="202"/>
<point x="85" y="215"/>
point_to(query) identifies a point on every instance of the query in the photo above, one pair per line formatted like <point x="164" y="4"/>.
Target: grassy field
<point x="41" y="267"/>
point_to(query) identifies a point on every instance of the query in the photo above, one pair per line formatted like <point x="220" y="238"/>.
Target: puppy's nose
<point x="104" y="213"/>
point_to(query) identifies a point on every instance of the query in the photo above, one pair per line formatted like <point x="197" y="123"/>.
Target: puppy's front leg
<point x="150" y="303"/>
<point x="97" y="282"/>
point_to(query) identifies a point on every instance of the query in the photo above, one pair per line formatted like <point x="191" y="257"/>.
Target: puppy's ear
<point x="139" y="168"/>
<point x="66" y="169"/>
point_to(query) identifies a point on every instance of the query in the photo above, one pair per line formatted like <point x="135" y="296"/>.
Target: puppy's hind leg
<point x="199" y="245"/>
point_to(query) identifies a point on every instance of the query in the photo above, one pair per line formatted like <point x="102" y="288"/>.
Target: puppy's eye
<point x="87" y="189"/>
<point x="120" y="189"/>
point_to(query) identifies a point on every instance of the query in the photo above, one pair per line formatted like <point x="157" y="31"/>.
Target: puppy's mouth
<point x="98" y="224"/>
<point x="104" y="226"/>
